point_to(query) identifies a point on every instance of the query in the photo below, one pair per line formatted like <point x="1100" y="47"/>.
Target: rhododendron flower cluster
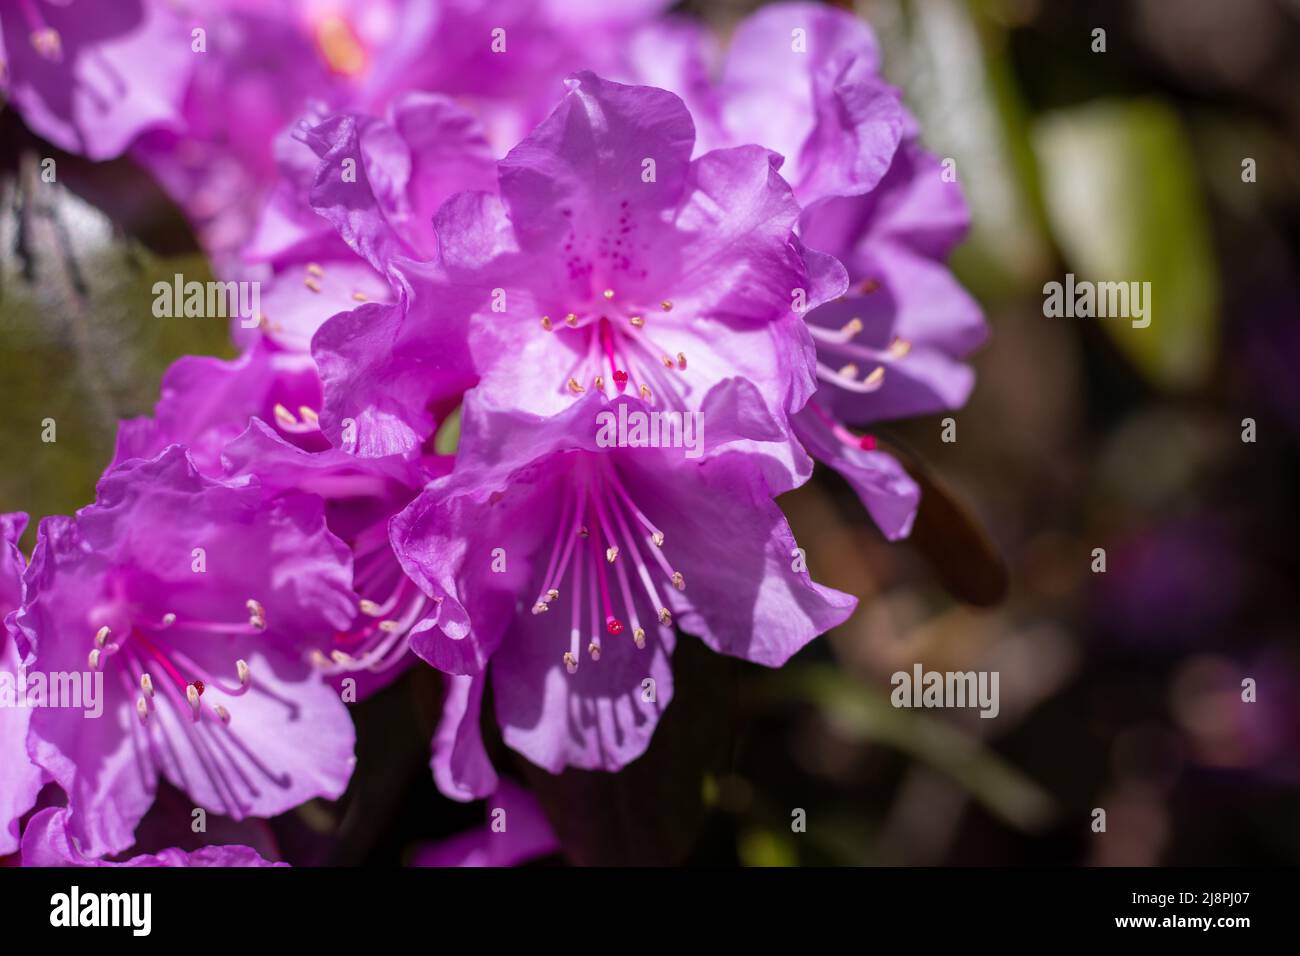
<point x="467" y="256"/>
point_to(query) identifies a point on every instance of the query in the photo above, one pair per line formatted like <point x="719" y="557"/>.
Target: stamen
<point x="192" y="695"/>
<point x="93" y="660"/>
<point x="546" y="323"/>
<point x="358" y="297"/>
<point x="870" y="384"/>
<point x="571" y="320"/>
<point x="681" y="361"/>
<point x="283" y="416"/>
<point x="679" y="581"/>
<point x="142" y="709"/>
<point x="101" y="636"/>
<point x="222" y="714"/>
<point x="665" y="618"/>
<point x="608" y="294"/>
<point x="245" y="674"/>
<point x="899" y="347"/>
<point x="370" y="608"/>
<point x="48" y="43"/>
<point x="146" y="685"/>
<point x="638" y="636"/>
<point x="575" y="386"/>
<point x="312" y="284"/>
<point x="637" y="322"/>
<point x="256" y="614"/>
<point x="570" y="663"/>
<point x="845" y="334"/>
<point x="314" y="269"/>
<point x="666" y="305"/>
<point x="611" y="553"/>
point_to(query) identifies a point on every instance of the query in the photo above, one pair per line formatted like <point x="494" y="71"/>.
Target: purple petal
<point x="887" y="491"/>
<point x="723" y="531"/>
<point x="49" y="841"/>
<point x="818" y="102"/>
<point x="582" y="168"/>
<point x="461" y="767"/>
<point x="516" y="832"/>
<point x="104" y="73"/>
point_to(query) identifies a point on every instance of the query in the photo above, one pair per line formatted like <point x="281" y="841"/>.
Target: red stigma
<point x="198" y="685"/>
<point x="620" y="379"/>
<point x="867" y="443"/>
<point x="614" y="626"/>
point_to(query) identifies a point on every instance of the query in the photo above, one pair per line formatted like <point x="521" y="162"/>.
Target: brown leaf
<point x="952" y="540"/>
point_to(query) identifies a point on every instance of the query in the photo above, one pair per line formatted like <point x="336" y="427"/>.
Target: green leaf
<point x="1121" y="193"/>
<point x="79" y="342"/>
<point x="860" y="713"/>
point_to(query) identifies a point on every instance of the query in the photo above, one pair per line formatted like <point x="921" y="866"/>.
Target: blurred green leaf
<point x="766" y="848"/>
<point x="959" y="78"/>
<point x="861" y="714"/>
<point x="79" y="342"/>
<point x="1123" y="200"/>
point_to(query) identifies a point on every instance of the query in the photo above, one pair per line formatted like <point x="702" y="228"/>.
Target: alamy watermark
<point x="71" y="690"/>
<point x="923" y="688"/>
<point x="1102" y="300"/>
<point x="635" y="428"/>
<point x="133" y="911"/>
<point x="206" y="300"/>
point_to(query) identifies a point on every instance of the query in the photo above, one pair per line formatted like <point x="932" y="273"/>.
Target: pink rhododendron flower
<point x="604" y="550"/>
<point x="193" y="599"/>
<point x="609" y="262"/>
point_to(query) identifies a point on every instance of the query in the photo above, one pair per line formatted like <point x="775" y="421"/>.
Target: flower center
<point x="613" y="340"/>
<point x="595" y="533"/>
<point x="380" y="639"/>
<point x="148" y="647"/>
